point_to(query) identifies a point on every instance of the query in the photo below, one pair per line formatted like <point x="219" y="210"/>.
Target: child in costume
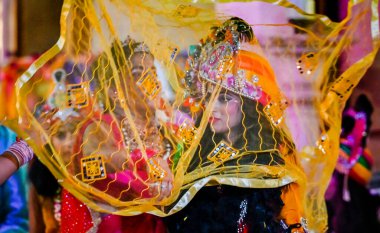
<point x="125" y="152"/>
<point x="58" y="208"/>
<point x="244" y="176"/>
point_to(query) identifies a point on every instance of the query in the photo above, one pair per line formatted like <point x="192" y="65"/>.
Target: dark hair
<point x="42" y="179"/>
<point x="212" y="208"/>
<point x="256" y="123"/>
<point x="348" y="123"/>
<point x="363" y="104"/>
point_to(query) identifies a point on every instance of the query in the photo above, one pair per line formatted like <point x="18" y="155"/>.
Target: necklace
<point x="57" y="206"/>
<point x="149" y="136"/>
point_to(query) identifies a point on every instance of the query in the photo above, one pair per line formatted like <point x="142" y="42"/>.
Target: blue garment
<point x="7" y="137"/>
<point x="13" y="193"/>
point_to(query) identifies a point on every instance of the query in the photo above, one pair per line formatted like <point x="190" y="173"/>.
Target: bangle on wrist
<point x="21" y="151"/>
<point x="12" y="158"/>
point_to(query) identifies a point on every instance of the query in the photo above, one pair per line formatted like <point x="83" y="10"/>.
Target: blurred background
<point x="28" y="28"/>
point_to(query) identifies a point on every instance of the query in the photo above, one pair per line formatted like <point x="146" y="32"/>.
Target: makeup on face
<point x="226" y="115"/>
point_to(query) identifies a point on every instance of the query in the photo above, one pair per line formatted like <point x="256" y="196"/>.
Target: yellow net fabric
<point x="254" y="109"/>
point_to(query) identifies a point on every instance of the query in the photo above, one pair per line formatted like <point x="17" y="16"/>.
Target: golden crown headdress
<point x="229" y="58"/>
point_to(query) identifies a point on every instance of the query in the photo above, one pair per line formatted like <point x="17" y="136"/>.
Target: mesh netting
<point x="149" y="102"/>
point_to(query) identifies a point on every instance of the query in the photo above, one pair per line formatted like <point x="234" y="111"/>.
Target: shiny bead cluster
<point x="57" y="206"/>
<point x="155" y="170"/>
<point x="150" y="137"/>
<point x="243" y="213"/>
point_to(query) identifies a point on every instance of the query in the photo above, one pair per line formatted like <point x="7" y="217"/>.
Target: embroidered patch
<point x="275" y="111"/>
<point x="221" y="153"/>
<point x="149" y="85"/>
<point x="187" y="133"/>
<point x="307" y="64"/>
<point x="156" y="172"/>
<point x="93" y="168"/>
<point x="77" y="95"/>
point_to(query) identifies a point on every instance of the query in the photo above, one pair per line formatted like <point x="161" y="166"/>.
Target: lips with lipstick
<point x="213" y="119"/>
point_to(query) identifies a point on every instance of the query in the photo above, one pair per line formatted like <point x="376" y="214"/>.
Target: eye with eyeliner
<point x="224" y="98"/>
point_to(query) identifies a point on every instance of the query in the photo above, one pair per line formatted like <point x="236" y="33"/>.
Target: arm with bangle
<point x="18" y="154"/>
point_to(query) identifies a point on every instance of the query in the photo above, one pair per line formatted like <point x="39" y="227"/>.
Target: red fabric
<point x="75" y="214"/>
<point x="128" y="184"/>
<point x="76" y="218"/>
<point x="144" y="223"/>
<point x="106" y="118"/>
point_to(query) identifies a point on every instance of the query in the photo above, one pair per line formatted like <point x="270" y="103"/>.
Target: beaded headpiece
<point x="141" y="47"/>
<point x="229" y="59"/>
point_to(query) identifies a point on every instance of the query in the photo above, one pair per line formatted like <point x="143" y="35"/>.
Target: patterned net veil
<point x="255" y="105"/>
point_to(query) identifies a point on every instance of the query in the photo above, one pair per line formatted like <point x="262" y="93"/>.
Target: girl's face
<point x="142" y="64"/>
<point x="226" y="115"/>
<point x="63" y="141"/>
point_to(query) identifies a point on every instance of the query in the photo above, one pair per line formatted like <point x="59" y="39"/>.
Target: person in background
<point x="13" y="186"/>
<point x="350" y="204"/>
<point x="55" y="208"/>
<point x="45" y="192"/>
